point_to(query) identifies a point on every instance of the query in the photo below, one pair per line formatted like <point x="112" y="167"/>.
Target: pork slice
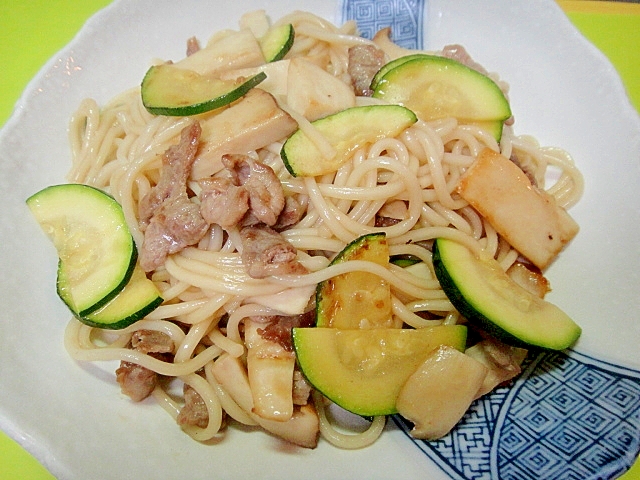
<point x="459" y="53"/>
<point x="151" y="341"/>
<point x="277" y="328"/>
<point x="194" y="412"/>
<point x="266" y="197"/>
<point x="175" y="225"/>
<point x="176" y="167"/>
<point x="169" y="219"/>
<point x="136" y="381"/>
<point x="266" y="252"/>
<point x="364" y="63"/>
<point x="223" y="202"/>
<point x="193" y="46"/>
<point x="291" y="214"/>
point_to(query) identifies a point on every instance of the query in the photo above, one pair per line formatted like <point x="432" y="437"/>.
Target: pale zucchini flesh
<point x="387" y="67"/>
<point x="96" y="251"/>
<point x="277" y="42"/>
<point x="363" y="370"/>
<point x="357" y="299"/>
<point x="137" y="299"/>
<point x="483" y="293"/>
<point x="345" y="131"/>
<point x="172" y="91"/>
<point x="436" y="87"/>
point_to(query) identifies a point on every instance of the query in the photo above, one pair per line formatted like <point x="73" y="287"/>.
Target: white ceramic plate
<point x="72" y="416"/>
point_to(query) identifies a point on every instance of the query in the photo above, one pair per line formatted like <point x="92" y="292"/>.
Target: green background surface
<point x="32" y="31"/>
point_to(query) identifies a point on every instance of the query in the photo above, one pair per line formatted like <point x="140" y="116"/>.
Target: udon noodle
<point x="207" y="293"/>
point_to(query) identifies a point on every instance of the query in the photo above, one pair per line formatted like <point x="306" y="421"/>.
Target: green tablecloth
<point x="32" y="31"/>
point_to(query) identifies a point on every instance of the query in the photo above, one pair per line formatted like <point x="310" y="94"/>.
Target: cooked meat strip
<point x="460" y="54"/>
<point x="246" y="192"/>
<point x="151" y="341"/>
<point x="364" y="63"/>
<point x="265" y="252"/>
<point x="176" y="225"/>
<point x="169" y="219"/>
<point x="194" y="412"/>
<point x="278" y="327"/>
<point x="135" y="380"/>
<point x="176" y="167"/>
<point x="193" y="46"/>
<point x="223" y="202"/>
<point x="386" y="221"/>
<point x="291" y="214"/>
<point x="266" y="198"/>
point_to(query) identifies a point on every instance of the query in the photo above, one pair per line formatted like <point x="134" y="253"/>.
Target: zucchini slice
<point x="483" y="293"/>
<point x="436" y="87"/>
<point x="364" y="370"/>
<point x="136" y="300"/>
<point x="356" y="299"/>
<point x="277" y="42"/>
<point x="345" y="131"/>
<point x="96" y="251"/>
<point x="172" y="91"/>
<point x="386" y="68"/>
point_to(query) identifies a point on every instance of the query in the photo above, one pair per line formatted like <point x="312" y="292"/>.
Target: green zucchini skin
<point x="438" y="87"/>
<point x="97" y="278"/>
<point x="334" y="361"/>
<point x="96" y="223"/>
<point x="346" y="131"/>
<point x="166" y="90"/>
<point x="558" y="333"/>
<point x="326" y="295"/>
<point x="123" y="321"/>
<point x="277" y="42"/>
<point x="386" y="68"/>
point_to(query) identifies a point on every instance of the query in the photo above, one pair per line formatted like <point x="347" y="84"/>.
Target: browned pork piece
<point x="193" y="46"/>
<point x="169" y="219"/>
<point x="364" y="63"/>
<point x="291" y="214"/>
<point x="459" y="54"/>
<point x="136" y="381"/>
<point x="277" y="328"/>
<point x="195" y="411"/>
<point x="151" y="341"/>
<point x="222" y="201"/>
<point x="265" y="252"/>
<point x="246" y="192"/>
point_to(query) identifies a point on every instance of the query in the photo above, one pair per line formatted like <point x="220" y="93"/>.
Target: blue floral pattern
<point x="405" y="17"/>
<point x="568" y="416"/>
